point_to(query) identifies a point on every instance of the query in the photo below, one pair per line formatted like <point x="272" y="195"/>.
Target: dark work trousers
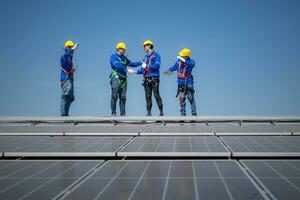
<point x="118" y="90"/>
<point x="151" y="84"/>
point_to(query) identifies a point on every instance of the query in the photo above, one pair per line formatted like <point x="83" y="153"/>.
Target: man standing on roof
<point x="184" y="66"/>
<point x="67" y="77"/>
<point x="150" y="71"/>
<point x="118" y="82"/>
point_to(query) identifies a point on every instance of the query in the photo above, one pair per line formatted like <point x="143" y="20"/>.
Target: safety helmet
<point x="148" y="42"/>
<point x="185" y="52"/>
<point x="69" y="43"/>
<point x="121" y="45"/>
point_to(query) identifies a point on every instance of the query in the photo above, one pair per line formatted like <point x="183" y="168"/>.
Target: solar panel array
<point x="224" y="160"/>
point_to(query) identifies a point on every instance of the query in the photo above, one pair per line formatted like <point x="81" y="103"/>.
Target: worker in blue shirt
<point x="67" y="77"/>
<point x="150" y="71"/>
<point x="184" y="66"/>
<point x="118" y="77"/>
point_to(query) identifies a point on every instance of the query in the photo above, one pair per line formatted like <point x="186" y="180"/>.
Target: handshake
<point x="132" y="71"/>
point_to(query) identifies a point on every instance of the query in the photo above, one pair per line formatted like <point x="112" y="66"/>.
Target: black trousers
<point x="151" y="84"/>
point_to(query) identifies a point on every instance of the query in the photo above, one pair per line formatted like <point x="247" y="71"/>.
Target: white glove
<point x="76" y="45"/>
<point x="131" y="71"/>
<point x="144" y="65"/>
<point x="181" y="58"/>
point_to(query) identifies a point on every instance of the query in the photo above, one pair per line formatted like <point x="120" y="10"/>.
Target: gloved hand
<point x="131" y="71"/>
<point x="181" y="58"/>
<point x="168" y="72"/>
<point x="76" y="45"/>
<point x="144" y="65"/>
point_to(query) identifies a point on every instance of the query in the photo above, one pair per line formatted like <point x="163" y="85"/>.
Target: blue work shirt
<point x="188" y="66"/>
<point x="153" y="64"/>
<point x="66" y="62"/>
<point x="119" y="64"/>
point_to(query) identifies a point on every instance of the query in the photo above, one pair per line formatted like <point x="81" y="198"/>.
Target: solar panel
<point x="40" y="179"/>
<point x="166" y="180"/>
<point x="184" y="129"/>
<point x="62" y="146"/>
<point x="294" y="128"/>
<point x="280" y="178"/>
<point x="250" y="130"/>
<point x="261" y="146"/>
<point x="33" y="130"/>
<point x="200" y="146"/>
<point x="108" y="130"/>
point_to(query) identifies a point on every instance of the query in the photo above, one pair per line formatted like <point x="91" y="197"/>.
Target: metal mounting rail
<point x="144" y="119"/>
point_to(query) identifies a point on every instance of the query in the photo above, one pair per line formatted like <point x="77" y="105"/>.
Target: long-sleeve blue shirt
<point x="119" y="64"/>
<point x="66" y="62"/>
<point x="188" y="65"/>
<point x="153" y="64"/>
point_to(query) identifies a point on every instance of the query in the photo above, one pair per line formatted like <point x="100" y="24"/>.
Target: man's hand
<point x="181" y="58"/>
<point x="144" y="65"/>
<point x="131" y="71"/>
<point x="168" y="72"/>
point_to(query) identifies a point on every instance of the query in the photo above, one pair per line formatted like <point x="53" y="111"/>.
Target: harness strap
<point x="66" y="72"/>
<point x="148" y="71"/>
<point x="182" y="74"/>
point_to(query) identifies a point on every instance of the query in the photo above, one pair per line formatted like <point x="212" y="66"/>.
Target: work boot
<point x="148" y="113"/>
<point x="182" y="114"/>
<point x="161" y="113"/>
<point x="193" y="114"/>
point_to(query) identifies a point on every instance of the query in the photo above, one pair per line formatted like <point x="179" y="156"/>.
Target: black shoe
<point x="194" y="114"/>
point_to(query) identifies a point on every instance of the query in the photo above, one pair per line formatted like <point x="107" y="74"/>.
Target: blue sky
<point x="246" y="52"/>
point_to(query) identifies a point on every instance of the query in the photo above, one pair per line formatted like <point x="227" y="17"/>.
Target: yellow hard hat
<point x="121" y="45"/>
<point x="69" y="43"/>
<point x="148" y="42"/>
<point x="185" y="52"/>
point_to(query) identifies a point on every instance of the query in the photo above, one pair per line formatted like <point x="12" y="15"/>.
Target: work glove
<point x="181" y="58"/>
<point x="168" y="72"/>
<point x="144" y="65"/>
<point x="131" y="71"/>
<point x="75" y="46"/>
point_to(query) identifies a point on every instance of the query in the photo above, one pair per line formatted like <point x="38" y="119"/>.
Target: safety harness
<point x="182" y="75"/>
<point x="148" y="71"/>
<point x="114" y="74"/>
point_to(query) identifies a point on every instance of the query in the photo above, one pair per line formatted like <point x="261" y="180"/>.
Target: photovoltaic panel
<point x="166" y="179"/>
<point x="107" y="130"/>
<point x="199" y="146"/>
<point x="40" y="179"/>
<point x="281" y="178"/>
<point x="183" y="129"/>
<point x="254" y="129"/>
<point x="61" y="146"/>
<point x="263" y="146"/>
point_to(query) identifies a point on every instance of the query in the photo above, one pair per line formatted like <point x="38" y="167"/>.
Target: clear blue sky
<point x="247" y="53"/>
